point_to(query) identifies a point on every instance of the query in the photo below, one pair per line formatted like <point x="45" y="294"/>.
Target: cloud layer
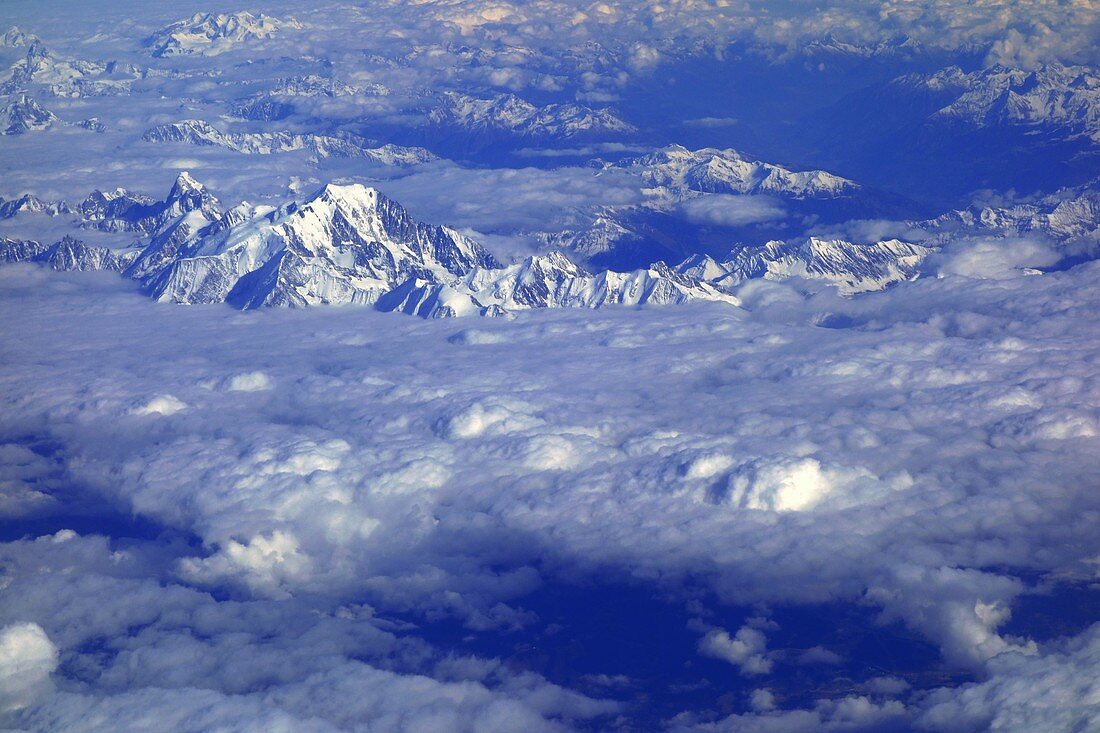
<point x="317" y="471"/>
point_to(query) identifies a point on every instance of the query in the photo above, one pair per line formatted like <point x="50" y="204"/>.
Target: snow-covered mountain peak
<point x="65" y="77"/>
<point x="36" y="52"/>
<point x="23" y="114"/>
<point x="185" y="184"/>
<point x="346" y="243"/>
<point x="15" y="37"/>
<point x="555" y="260"/>
<point x="188" y="194"/>
<point x="355" y="196"/>
<point x="702" y="267"/>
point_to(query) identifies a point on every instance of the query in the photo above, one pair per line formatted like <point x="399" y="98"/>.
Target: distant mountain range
<point x="701" y="200"/>
<point x="510" y="114"/>
<point x="209" y="34"/>
<point x="1051" y="98"/>
<point x="199" y="132"/>
<point x="942" y="135"/>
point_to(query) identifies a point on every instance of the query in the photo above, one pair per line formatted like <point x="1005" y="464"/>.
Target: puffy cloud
<point x="160" y="405"/>
<point x="24" y="475"/>
<point x="263" y="563"/>
<point x="171" y="654"/>
<point x="1055" y="691"/>
<point x="960" y="609"/>
<point x="784" y="487"/>
<point x="27" y="658"/>
<point x="727" y="210"/>
<point x="493" y="417"/>
<point x="762" y="700"/>
<point x="996" y="259"/>
<point x="923" y="459"/>
<point x="746" y="649"/>
<point x="250" y="382"/>
<point x="845" y="714"/>
<point x="336" y="701"/>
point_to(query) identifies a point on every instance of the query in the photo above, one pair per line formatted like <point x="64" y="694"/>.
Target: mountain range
<point x="508" y="113"/>
<point x="1051" y="97"/>
<point x="209" y="34"/>
<point x="350" y="244"/>
<point x="701" y="200"/>
<point x="199" y="132"/>
<point x="345" y="244"/>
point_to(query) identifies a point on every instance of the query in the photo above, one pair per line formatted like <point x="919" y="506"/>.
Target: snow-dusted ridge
<point x="31" y="204"/>
<point x="701" y="185"/>
<point x="555" y="281"/>
<point x="831" y="46"/>
<point x="1071" y="215"/>
<point x="23" y="113"/>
